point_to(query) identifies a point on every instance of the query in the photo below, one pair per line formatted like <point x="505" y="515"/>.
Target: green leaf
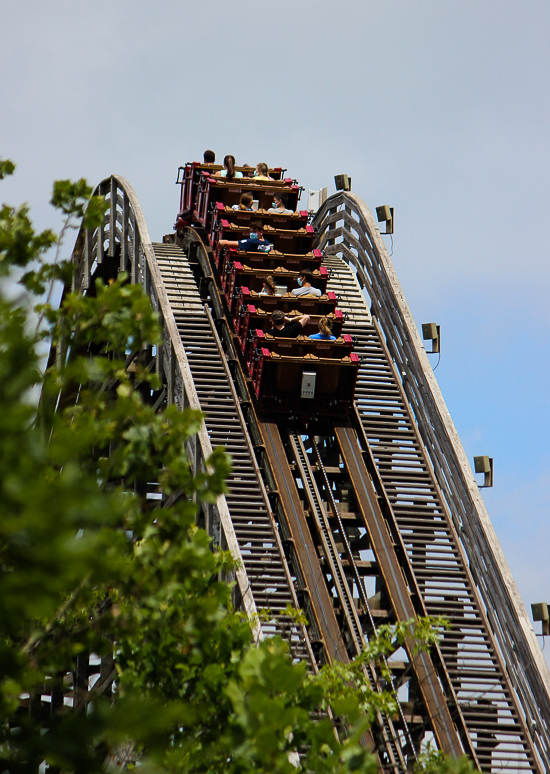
<point x="7" y="168"/>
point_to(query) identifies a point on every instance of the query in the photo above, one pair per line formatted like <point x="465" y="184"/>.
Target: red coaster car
<point x="304" y="386"/>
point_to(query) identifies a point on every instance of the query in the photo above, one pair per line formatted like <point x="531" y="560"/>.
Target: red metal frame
<point x="276" y="365"/>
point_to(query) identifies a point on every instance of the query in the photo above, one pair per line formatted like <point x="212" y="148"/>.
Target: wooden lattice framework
<point x="346" y="227"/>
<point x="123" y="241"/>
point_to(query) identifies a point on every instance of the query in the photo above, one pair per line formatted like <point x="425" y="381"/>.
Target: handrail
<point x="125" y="231"/>
<point x="346" y="226"/>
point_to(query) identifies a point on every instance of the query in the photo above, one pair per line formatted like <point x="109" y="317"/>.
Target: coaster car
<point x="305" y="386"/>
<point x="237" y="275"/>
<point x="189" y="175"/>
<point x="217" y="189"/>
<point x="298" y="347"/>
<point x="250" y="318"/>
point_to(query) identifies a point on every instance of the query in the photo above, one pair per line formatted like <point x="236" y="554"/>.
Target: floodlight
<point x="540" y="613"/>
<point x="342" y="182"/>
<point x="432" y="331"/>
<point x="484" y="465"/>
<point x="385" y="213"/>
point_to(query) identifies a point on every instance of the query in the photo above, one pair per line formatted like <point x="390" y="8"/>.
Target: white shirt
<point x="309" y="291"/>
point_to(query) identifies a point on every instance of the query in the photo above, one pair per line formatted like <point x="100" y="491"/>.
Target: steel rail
<point x="392" y="745"/>
<point x="358" y="583"/>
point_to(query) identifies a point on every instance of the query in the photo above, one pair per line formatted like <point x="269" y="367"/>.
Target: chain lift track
<point x="373" y="520"/>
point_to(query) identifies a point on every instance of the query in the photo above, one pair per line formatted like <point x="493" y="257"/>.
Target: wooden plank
<point x="103" y="189"/>
<point x="87" y="259"/>
<point x="112" y="214"/>
<point x="125" y="232"/>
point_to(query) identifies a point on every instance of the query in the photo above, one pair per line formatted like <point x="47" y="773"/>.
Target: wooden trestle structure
<point x="376" y="519"/>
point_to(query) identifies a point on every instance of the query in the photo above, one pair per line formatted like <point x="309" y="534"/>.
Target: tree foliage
<point x="90" y="564"/>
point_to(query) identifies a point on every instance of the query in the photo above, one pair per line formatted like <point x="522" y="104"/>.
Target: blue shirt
<point x="322" y="336"/>
<point x="255" y="245"/>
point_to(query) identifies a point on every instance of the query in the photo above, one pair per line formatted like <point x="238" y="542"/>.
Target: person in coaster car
<point x="325" y="330"/>
<point x="262" y="172"/>
<point x="279" y="206"/>
<point x="245" y="202"/>
<point x="228" y="170"/>
<point x="306" y="288"/>
<point x="269" y="287"/>
<point x="287" y="327"/>
<point x="255" y="242"/>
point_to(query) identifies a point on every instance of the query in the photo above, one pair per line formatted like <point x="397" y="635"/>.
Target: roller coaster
<point x="351" y="496"/>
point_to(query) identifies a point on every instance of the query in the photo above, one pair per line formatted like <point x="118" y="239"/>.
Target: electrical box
<point x="308" y="384"/>
<point x="482" y="464"/>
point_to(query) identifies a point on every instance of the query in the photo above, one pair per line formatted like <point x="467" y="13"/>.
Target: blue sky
<point x="439" y="109"/>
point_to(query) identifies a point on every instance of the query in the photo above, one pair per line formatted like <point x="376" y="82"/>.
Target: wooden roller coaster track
<point x="377" y="518"/>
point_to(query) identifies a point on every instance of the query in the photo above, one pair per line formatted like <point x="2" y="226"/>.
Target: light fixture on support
<point x="385" y="213"/>
<point x="342" y="182"/>
<point x="432" y="332"/>
<point x="484" y="465"/>
<point x="540" y="613"/>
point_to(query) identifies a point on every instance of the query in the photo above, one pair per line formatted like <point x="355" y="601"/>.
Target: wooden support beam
<point x="305" y="549"/>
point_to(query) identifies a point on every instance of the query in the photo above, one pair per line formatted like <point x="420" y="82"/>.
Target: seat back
<point x="278" y="384"/>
